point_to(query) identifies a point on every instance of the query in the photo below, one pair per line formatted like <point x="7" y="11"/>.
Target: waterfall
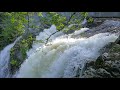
<point x="4" y="60"/>
<point x="64" y="56"/>
<point x="43" y="36"/>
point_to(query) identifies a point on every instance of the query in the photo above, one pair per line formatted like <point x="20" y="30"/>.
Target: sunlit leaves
<point x="40" y="14"/>
<point x="84" y="14"/>
<point x="13" y="25"/>
<point x="12" y="20"/>
<point x="54" y="18"/>
<point x="16" y="23"/>
<point x="90" y="20"/>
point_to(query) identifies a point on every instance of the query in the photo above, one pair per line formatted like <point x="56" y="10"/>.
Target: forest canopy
<point x="14" y="24"/>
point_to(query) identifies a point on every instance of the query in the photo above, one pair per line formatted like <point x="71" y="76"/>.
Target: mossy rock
<point x="115" y="48"/>
<point x="91" y="63"/>
<point x="18" y="52"/>
<point x="99" y="63"/>
<point x="109" y="64"/>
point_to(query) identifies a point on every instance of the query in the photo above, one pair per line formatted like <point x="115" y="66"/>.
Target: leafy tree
<point x="14" y="24"/>
<point x="63" y="23"/>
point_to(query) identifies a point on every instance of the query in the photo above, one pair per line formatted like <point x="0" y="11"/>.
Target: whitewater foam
<point x="64" y="57"/>
<point x="4" y="60"/>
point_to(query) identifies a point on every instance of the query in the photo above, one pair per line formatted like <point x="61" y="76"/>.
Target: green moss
<point x="14" y="63"/>
<point x="115" y="48"/>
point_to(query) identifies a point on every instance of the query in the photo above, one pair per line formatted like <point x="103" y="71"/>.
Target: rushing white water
<point x="4" y="60"/>
<point x="64" y="57"/>
<point x="43" y="36"/>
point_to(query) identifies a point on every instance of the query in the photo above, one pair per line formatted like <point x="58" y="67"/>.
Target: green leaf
<point x="12" y="19"/>
<point x="40" y="14"/>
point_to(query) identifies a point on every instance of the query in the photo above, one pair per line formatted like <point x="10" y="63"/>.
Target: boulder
<point x="107" y="65"/>
<point x="110" y="26"/>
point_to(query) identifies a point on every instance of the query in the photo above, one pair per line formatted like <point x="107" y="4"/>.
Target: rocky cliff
<point x="107" y="64"/>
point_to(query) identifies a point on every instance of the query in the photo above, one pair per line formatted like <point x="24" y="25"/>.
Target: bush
<point x="19" y="50"/>
<point x="12" y="25"/>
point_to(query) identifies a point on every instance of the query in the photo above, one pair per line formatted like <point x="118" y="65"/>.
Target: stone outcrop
<point x="107" y="64"/>
<point x="110" y="26"/>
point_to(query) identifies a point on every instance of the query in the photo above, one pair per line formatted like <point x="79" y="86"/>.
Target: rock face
<point x="107" y="65"/>
<point x="110" y="26"/>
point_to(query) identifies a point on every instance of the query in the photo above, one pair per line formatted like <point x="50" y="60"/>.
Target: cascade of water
<point x="4" y="60"/>
<point x="43" y="36"/>
<point x="64" y="57"/>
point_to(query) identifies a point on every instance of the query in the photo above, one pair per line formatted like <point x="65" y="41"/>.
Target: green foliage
<point x="26" y="45"/>
<point x="85" y="15"/>
<point x="61" y="22"/>
<point x="12" y="25"/>
<point x="21" y="47"/>
<point x="39" y="14"/>
<point x="90" y="20"/>
<point x="53" y="18"/>
<point x="14" y="63"/>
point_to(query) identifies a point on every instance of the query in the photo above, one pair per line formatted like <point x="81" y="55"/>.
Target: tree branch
<point x="50" y="36"/>
<point x="71" y="17"/>
<point x="62" y="28"/>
